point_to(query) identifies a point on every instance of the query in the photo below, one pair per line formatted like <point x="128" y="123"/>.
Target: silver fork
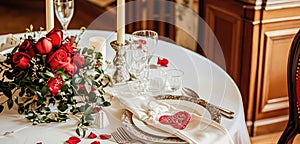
<point x="122" y="137"/>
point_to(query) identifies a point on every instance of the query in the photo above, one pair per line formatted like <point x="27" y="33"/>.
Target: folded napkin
<point x="8" y="41"/>
<point x="188" y="126"/>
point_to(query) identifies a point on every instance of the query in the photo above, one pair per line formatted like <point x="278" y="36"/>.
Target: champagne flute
<point x="64" y="10"/>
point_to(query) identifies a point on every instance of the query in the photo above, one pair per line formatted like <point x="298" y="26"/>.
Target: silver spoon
<point x="189" y="92"/>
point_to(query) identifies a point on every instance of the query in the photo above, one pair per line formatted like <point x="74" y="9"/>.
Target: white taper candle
<point x="49" y="15"/>
<point x="121" y="21"/>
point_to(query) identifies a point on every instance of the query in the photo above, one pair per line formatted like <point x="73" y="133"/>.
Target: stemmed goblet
<point x="136" y="57"/>
<point x="64" y="10"/>
<point x="148" y="39"/>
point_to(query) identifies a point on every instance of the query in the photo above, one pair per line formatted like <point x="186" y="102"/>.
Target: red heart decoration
<point x="179" y="120"/>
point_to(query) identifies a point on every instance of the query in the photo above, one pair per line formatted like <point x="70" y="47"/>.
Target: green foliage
<point x="37" y="103"/>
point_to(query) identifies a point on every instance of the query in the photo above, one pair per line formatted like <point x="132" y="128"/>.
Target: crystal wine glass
<point x="148" y="39"/>
<point x="136" y="61"/>
<point x="64" y="10"/>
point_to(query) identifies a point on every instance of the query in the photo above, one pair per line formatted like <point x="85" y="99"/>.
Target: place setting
<point x="156" y="109"/>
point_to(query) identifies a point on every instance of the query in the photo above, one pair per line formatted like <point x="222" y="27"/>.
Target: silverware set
<point x="223" y="111"/>
<point x="122" y="137"/>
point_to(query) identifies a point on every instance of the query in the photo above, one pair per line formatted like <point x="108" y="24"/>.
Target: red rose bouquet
<point x="50" y="78"/>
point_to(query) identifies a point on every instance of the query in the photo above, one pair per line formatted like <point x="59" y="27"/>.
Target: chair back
<point x="293" y="126"/>
<point x="293" y="80"/>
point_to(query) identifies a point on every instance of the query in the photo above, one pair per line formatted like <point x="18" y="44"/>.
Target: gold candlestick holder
<point x="121" y="74"/>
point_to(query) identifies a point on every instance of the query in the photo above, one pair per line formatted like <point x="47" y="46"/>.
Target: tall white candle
<point x="49" y="15"/>
<point x="121" y="21"/>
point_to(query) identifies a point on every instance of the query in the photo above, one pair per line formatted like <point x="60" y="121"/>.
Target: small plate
<point x="149" y="133"/>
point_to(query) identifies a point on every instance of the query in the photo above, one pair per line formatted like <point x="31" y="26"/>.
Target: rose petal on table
<point x="39" y="143"/>
<point x="163" y="62"/>
<point x="92" y="135"/>
<point x="95" y="142"/>
<point x="105" y="136"/>
<point x="73" y="140"/>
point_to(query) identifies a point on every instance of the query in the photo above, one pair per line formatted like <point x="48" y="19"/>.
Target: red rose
<point x="78" y="60"/>
<point x="68" y="48"/>
<point x="58" y="58"/>
<point x="56" y="37"/>
<point x="21" y="60"/>
<point x="44" y="45"/>
<point x="27" y="47"/>
<point x="70" y="68"/>
<point x="54" y="85"/>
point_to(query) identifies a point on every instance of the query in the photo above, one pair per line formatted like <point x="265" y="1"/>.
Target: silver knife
<point x="225" y="112"/>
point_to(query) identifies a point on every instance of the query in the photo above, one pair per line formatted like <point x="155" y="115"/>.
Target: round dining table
<point x="202" y="75"/>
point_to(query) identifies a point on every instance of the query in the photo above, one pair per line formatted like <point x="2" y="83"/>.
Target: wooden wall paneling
<point x="227" y="27"/>
<point x="271" y="84"/>
<point x="145" y="11"/>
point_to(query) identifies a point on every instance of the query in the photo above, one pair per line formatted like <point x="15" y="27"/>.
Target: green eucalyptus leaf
<point x="45" y="90"/>
<point x="16" y="100"/>
<point x="22" y="92"/>
<point x="1" y="108"/>
<point x="78" y="131"/>
<point x="41" y="80"/>
<point x="64" y="76"/>
<point x="106" y="104"/>
<point x="21" y="109"/>
<point x="62" y="106"/>
<point x="83" y="133"/>
<point x="7" y="93"/>
<point x="10" y="103"/>
<point x="88" y="87"/>
<point x="50" y="74"/>
<point x="64" y="87"/>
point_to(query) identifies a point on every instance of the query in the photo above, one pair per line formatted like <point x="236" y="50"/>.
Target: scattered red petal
<point x="39" y="143"/>
<point x="92" y="135"/>
<point x="95" y="142"/>
<point x="105" y="136"/>
<point x="163" y="62"/>
<point x="73" y="140"/>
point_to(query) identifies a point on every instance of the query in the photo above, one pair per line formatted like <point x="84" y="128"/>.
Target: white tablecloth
<point x="200" y="74"/>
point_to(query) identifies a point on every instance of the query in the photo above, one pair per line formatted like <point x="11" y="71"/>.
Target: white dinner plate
<point x="149" y="133"/>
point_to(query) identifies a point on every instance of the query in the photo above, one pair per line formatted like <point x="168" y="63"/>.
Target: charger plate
<point x="146" y="132"/>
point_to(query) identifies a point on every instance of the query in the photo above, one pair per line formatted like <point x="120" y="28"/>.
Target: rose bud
<point x="70" y="68"/>
<point x="44" y="45"/>
<point x="78" y="60"/>
<point x="55" y="84"/>
<point x="57" y="58"/>
<point x="28" y="47"/>
<point x="67" y="47"/>
<point x="21" y="60"/>
<point x="56" y="36"/>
